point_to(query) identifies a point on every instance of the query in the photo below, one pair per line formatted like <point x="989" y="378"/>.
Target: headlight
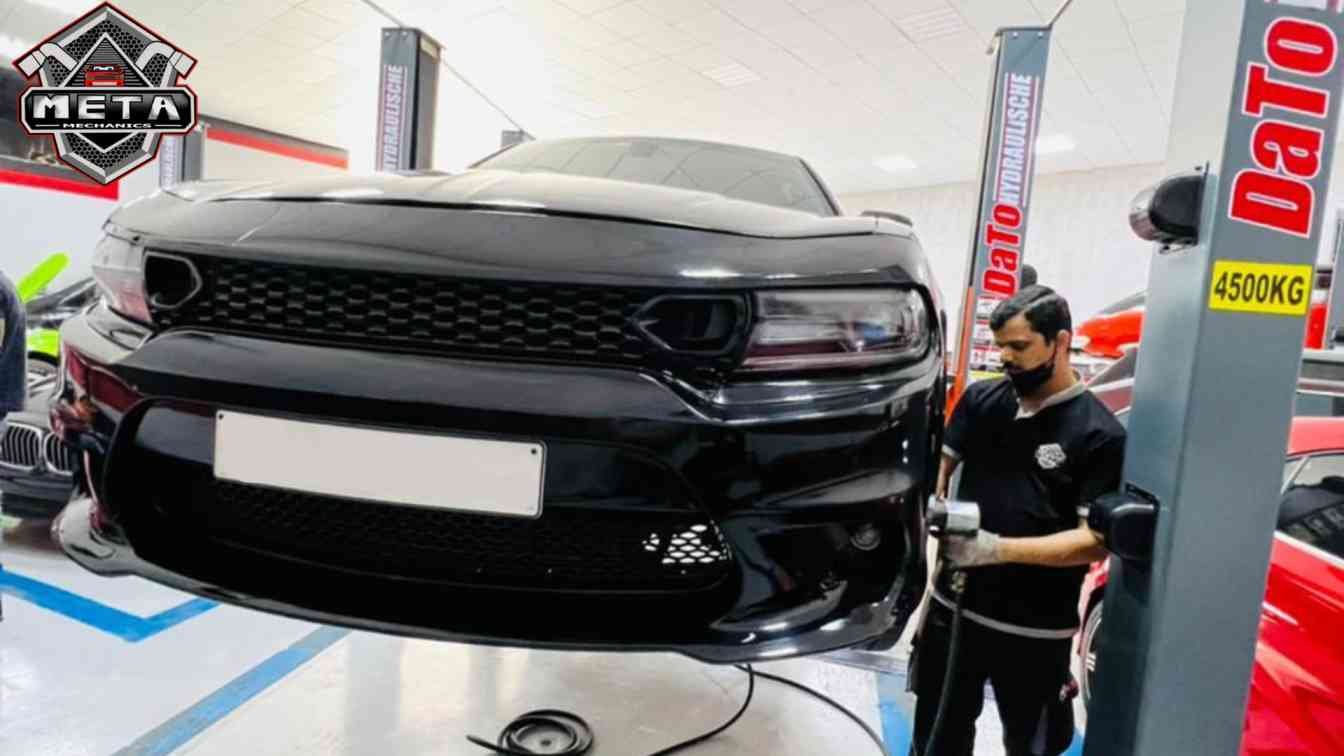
<point x="118" y="267"/>
<point x="809" y="330"/>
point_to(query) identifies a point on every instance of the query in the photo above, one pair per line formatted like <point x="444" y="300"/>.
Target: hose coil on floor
<point x="558" y="733"/>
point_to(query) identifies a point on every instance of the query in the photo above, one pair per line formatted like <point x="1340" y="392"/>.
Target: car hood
<point x="523" y="227"/>
<point x="551" y="194"/>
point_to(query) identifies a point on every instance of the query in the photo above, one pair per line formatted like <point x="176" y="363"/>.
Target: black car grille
<point x="408" y="312"/>
<point x="566" y="548"/>
<point x="21" y="447"/>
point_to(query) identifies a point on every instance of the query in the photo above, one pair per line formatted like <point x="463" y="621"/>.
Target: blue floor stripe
<point x="97" y="615"/>
<point x="197" y="718"/>
<point x="896" y="708"/>
<point x="896" y="729"/>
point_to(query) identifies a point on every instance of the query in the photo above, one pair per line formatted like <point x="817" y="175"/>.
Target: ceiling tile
<point x="1135" y="10"/>
<point x="809" y="42"/>
<point x="760" y="14"/>
<point x="667" y="41"/>
<point x="626" y="53"/>
<point x="591" y="6"/>
<point x="900" y="9"/>
<point x="677" y="10"/>
<point x="812" y="6"/>
<point x="303" y="22"/>
<point x="988" y="16"/>
<point x="860" y="27"/>
<point x="629" y="20"/>
<point x="347" y="11"/>
<point x="714" y="26"/>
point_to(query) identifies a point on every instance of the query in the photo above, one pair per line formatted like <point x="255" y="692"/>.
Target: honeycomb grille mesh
<point x="410" y="312"/>
<point x="565" y="548"/>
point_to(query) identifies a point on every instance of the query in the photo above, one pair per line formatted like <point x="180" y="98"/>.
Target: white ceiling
<point x="840" y="82"/>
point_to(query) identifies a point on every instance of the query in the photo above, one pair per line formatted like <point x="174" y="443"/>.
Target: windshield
<point x="737" y="172"/>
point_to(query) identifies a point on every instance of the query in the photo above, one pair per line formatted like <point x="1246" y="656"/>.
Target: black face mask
<point x="1027" y="382"/>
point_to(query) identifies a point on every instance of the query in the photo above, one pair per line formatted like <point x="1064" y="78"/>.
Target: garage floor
<point x="90" y="665"/>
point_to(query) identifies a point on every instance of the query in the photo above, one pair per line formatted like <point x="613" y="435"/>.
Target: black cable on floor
<point x="580" y="735"/>
<point x="872" y="734"/>
<point x="751" y="689"/>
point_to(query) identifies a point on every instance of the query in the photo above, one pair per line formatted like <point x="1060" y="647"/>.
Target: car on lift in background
<point x="36" y="467"/>
<point x="1118" y="327"/>
<point x="609" y="393"/>
<point x="46" y="311"/>
<point x="1297" y="686"/>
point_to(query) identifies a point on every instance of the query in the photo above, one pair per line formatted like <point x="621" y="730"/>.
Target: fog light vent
<point x="170" y="281"/>
<point x="693" y="324"/>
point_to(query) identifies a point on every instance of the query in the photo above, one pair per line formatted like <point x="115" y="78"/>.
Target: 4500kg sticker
<point x="1260" y="287"/>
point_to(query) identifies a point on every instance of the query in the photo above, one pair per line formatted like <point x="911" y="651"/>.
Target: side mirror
<point x="1168" y="212"/>
<point x="1126" y="521"/>
<point x="898" y="217"/>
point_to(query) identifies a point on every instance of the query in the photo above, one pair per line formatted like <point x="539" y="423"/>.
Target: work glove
<point x="971" y="551"/>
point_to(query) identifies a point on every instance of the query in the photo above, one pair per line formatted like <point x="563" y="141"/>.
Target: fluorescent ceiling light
<point x="1054" y="143"/>
<point x="732" y="75"/>
<point x="895" y="164"/>
<point x="11" y="48"/>
<point x="931" y="25"/>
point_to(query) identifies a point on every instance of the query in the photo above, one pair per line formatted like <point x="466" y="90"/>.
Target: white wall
<point x="40" y="222"/>
<point x="1078" y="235"/>
<point x="230" y="161"/>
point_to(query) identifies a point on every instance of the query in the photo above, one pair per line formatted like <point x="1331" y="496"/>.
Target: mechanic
<point x="1034" y="449"/>
<point x="13" y="367"/>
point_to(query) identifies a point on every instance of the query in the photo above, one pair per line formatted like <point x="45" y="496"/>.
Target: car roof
<point x="1316" y="434"/>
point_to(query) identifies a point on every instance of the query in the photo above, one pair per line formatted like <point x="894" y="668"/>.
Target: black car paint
<point x="785" y="468"/>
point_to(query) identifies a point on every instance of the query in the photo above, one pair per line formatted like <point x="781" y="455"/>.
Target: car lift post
<point x="1215" y="383"/>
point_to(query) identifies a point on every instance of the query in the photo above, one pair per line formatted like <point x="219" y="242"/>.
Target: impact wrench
<point x="962" y="519"/>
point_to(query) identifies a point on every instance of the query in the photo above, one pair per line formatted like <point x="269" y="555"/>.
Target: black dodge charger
<point x="621" y="394"/>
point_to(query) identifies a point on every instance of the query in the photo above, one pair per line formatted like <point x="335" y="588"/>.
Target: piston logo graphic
<point x="107" y="93"/>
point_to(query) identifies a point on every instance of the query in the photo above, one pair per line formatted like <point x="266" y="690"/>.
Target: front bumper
<point x="42" y="499"/>
<point x="777" y="482"/>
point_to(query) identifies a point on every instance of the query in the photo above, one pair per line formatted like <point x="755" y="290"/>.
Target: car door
<point x="1296" y="701"/>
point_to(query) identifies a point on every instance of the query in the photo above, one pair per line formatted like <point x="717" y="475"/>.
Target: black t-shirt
<point x="1032" y="475"/>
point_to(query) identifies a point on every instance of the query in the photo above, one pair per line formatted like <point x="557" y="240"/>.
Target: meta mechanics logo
<point x="107" y="93"/>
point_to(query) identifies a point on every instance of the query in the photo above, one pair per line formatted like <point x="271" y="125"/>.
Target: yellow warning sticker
<point x="1261" y="287"/>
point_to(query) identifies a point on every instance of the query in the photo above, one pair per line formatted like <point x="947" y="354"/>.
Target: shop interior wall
<point x="1078" y="235"/>
<point x="40" y="222"/>
<point x="230" y="161"/>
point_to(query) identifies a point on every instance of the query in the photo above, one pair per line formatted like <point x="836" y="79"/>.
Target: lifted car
<point x="634" y="394"/>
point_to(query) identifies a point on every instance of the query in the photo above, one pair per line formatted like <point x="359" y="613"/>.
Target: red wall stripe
<point x="55" y="183"/>
<point x="276" y="147"/>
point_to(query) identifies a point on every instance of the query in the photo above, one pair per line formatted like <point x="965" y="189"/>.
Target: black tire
<point x="1087" y="644"/>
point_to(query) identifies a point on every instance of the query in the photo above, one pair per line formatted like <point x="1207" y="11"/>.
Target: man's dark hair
<point x="1046" y="311"/>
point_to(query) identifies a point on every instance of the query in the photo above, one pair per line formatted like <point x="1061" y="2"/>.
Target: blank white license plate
<point x="415" y="469"/>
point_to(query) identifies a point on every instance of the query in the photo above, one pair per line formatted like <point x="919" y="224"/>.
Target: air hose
<point x="953" y="651"/>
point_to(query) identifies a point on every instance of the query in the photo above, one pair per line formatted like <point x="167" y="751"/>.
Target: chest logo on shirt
<point x="1050" y="456"/>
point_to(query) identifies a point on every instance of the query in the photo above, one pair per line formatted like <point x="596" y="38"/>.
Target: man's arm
<point x="945" y="471"/>
<point x="1068" y="548"/>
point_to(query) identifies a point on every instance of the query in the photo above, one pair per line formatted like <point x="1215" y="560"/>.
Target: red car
<point x="1297" y="686"/>
<point x="1109" y="332"/>
<point x="98" y="75"/>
